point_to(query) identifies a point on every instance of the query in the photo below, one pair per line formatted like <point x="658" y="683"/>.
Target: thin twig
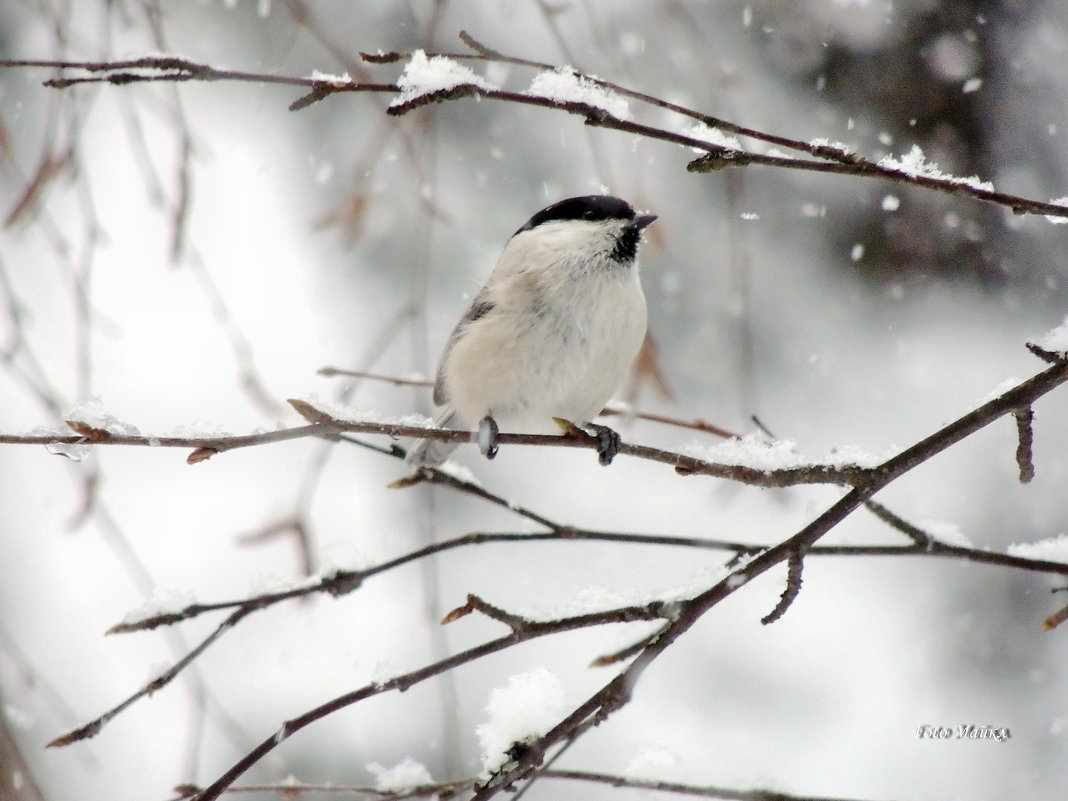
<point x="794" y="566"/>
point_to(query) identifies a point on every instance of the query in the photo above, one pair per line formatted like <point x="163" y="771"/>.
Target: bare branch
<point x="1025" y="437"/>
<point x="531" y="630"/>
<point x="448" y="789"/>
<point x="794" y="566"/>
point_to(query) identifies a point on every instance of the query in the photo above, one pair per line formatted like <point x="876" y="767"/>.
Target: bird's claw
<point x="608" y="440"/>
<point x="487" y="437"/>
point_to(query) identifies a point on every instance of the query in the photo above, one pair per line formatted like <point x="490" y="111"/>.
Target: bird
<point x="552" y="333"/>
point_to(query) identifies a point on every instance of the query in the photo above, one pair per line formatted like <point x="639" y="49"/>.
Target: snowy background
<point x="841" y="311"/>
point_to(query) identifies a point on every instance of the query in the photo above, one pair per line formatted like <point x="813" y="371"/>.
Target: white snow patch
<point x="423" y="76"/>
<point x="460" y="473"/>
<point x="827" y="144"/>
<point x="653" y="764"/>
<point x="857" y="252"/>
<point x="319" y="75"/>
<point x="972" y="85"/>
<point x="354" y="414"/>
<point x="525" y="708"/>
<point x="915" y="165"/>
<point x="1055" y="341"/>
<point x="271" y="584"/>
<point x="1058" y="201"/>
<point x="714" y="136"/>
<point x="163" y="602"/>
<point x="1054" y="549"/>
<point x="564" y="85"/>
<point x="340" y="556"/>
<point x="1001" y="388"/>
<point x="945" y="532"/>
<point x="403" y="777"/>
<point x="845" y="455"/>
<point x="90" y="411"/>
<point x="758" y="452"/>
<point x="891" y="203"/>
<point x="749" y="216"/>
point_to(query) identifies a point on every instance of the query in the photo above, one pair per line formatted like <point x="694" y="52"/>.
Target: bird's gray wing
<point x="479" y="308"/>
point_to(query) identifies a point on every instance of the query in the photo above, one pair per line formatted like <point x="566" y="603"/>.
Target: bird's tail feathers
<point x="432" y="452"/>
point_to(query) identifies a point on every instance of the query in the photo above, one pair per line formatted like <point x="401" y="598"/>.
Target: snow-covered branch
<point x="439" y="77"/>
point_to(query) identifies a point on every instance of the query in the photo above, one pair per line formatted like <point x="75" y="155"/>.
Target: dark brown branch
<point x="1025" y="440"/>
<point x="344" y="581"/>
<point x="1023" y="395"/>
<point x="93" y="728"/>
<point x="920" y="537"/>
<point x="678" y="788"/>
<point x="329" y="427"/>
<point x="1046" y="355"/>
<point x="794" y="567"/>
<point x="821" y="158"/>
<point x="615" y="692"/>
<point x="531" y="630"/>
<point x="448" y="789"/>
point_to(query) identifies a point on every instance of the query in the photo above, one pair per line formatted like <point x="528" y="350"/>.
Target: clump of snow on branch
<point x="596" y="598"/>
<point x="1058" y="201"/>
<point x="564" y="85"/>
<point x="163" y="602"/>
<point x="999" y="389"/>
<point x="525" y="708"/>
<point x="90" y="412"/>
<point x="827" y="144"/>
<point x="915" y="165"/>
<point x="714" y="136"/>
<point x="761" y="453"/>
<point x="345" y="412"/>
<point x="403" y="777"/>
<point x="1056" y="341"/>
<point x="653" y="764"/>
<point x="319" y="75"/>
<point x="945" y="532"/>
<point x="425" y="75"/>
<point x="1054" y="549"/>
<point x="459" y="472"/>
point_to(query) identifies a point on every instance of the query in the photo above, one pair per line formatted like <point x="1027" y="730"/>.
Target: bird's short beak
<point x="642" y="220"/>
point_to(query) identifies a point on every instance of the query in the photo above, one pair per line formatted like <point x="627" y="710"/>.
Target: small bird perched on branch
<point x="553" y="332"/>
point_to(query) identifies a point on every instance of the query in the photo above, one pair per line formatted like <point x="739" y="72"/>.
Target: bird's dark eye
<point x="589" y="214"/>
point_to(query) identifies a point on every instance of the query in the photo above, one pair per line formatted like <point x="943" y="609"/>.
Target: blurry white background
<point x="338" y="236"/>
